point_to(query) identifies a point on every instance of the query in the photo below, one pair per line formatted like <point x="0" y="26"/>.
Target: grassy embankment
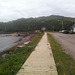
<point x="12" y="64"/>
<point x="64" y="63"/>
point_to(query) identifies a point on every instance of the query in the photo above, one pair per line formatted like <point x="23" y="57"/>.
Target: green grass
<point x="12" y="64"/>
<point x="64" y="63"/>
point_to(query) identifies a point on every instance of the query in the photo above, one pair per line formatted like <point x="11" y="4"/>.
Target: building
<point x="73" y="28"/>
<point x="43" y="28"/>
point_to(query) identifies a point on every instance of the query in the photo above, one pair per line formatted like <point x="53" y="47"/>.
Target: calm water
<point x="7" y="42"/>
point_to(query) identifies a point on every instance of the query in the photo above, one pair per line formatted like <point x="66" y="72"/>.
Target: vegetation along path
<point x="41" y="61"/>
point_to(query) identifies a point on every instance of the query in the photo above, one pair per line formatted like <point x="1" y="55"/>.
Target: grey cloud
<point x="13" y="9"/>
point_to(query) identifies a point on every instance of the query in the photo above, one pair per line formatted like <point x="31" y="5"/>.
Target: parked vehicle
<point x="62" y="31"/>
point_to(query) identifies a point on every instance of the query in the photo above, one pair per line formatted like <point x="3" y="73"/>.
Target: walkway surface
<point x="41" y="61"/>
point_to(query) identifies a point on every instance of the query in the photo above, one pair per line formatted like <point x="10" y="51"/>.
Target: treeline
<point x="31" y="24"/>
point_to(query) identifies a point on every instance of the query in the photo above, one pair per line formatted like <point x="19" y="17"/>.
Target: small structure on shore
<point x="43" y="28"/>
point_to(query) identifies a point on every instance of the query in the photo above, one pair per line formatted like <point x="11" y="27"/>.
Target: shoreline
<point x="21" y="40"/>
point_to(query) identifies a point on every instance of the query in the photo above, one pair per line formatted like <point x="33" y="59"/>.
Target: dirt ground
<point x="67" y="41"/>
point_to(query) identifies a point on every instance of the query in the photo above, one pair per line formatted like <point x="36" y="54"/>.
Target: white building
<point x="43" y="28"/>
<point x="73" y="28"/>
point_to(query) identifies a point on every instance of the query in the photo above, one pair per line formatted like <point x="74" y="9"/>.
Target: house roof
<point x="43" y="28"/>
<point x="73" y="25"/>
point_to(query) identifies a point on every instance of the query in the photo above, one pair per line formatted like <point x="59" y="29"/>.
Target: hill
<point x="31" y="24"/>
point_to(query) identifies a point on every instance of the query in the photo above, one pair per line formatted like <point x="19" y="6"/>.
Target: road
<point x="67" y="41"/>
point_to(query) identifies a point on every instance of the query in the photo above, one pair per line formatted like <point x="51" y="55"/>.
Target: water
<point x="7" y="42"/>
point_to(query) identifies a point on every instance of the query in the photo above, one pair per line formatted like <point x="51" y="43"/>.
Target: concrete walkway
<point x="41" y="61"/>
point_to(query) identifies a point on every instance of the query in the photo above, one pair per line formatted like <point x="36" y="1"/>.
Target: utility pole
<point x="62" y="25"/>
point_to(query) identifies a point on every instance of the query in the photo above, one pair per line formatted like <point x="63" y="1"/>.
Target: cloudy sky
<point x="14" y="9"/>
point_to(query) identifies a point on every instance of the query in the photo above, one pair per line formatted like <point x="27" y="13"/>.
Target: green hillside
<point x="31" y="24"/>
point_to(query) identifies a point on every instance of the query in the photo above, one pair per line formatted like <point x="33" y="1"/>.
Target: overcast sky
<point x="14" y="9"/>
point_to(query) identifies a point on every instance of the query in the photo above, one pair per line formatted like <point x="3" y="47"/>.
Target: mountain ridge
<point x="32" y="24"/>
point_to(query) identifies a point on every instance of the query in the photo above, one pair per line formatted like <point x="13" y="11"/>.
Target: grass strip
<point x="64" y="62"/>
<point x="12" y="64"/>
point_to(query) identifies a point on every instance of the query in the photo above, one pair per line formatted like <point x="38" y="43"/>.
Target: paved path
<point x="41" y="61"/>
<point x="67" y="41"/>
